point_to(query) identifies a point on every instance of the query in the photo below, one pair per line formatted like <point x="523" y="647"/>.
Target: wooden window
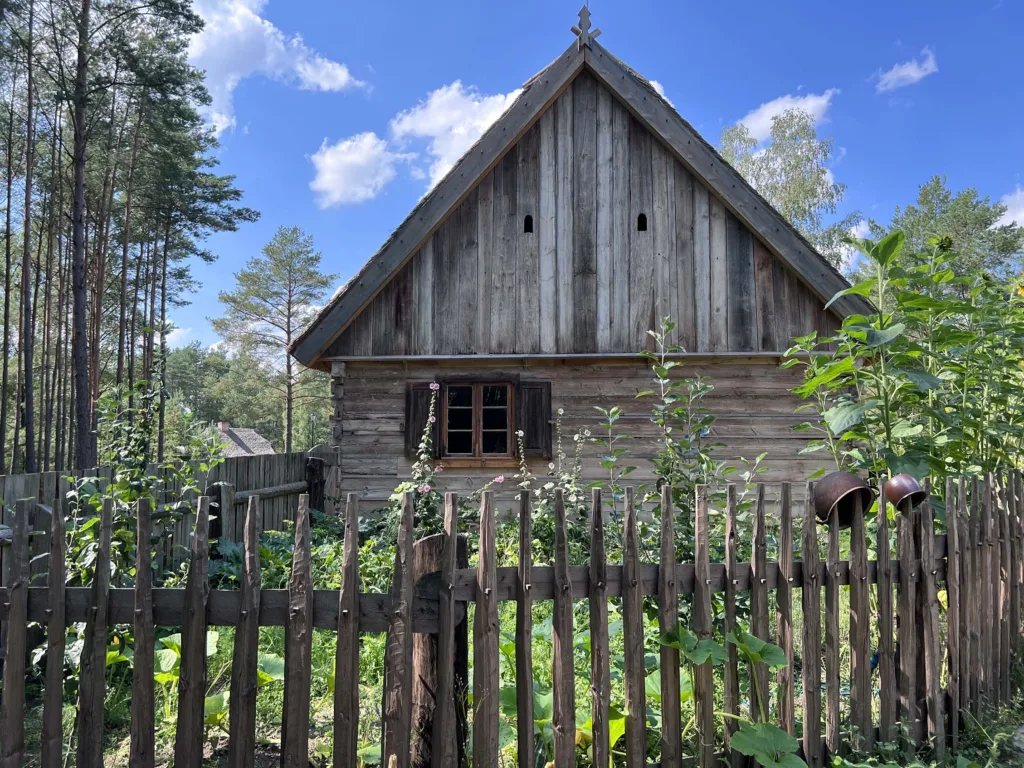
<point x="476" y="420"/>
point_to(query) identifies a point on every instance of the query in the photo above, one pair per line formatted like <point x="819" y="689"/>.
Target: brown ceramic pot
<point x="837" y="493"/>
<point x="903" y="490"/>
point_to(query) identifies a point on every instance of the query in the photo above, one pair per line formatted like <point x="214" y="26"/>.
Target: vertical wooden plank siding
<point x="600" y="662"/>
<point x="953" y="612"/>
<point x="704" y="682"/>
<point x="524" y="636"/>
<point x="605" y="220"/>
<point x="759" y="693"/>
<point x="633" y="638"/>
<point x="547" y="222"/>
<point x="397" y="716"/>
<point x="742" y="321"/>
<point x="485" y="239"/>
<point x="764" y="280"/>
<point x="621" y="174"/>
<point x="906" y="625"/>
<point x="188" y="737"/>
<point x="346" y="660"/>
<point x="245" y="656"/>
<point x="668" y="616"/>
<point x="641" y="244"/>
<point x="507" y="229"/>
<point x="731" y="683"/>
<point x="932" y="649"/>
<point x="143" y="741"/>
<point x="784" y="611"/>
<point x="684" y="192"/>
<point x="12" y="709"/>
<point x="810" y="598"/>
<point x="719" y="275"/>
<point x="91" y="681"/>
<point x="584" y="272"/>
<point x="663" y="231"/>
<point x="861" y="691"/>
<point x="485" y="643"/>
<point x="523" y="251"/>
<point x="701" y="267"/>
<point x="832" y="670"/>
<point x="442" y="741"/>
<point x="564" y="228"/>
<point x="563" y="721"/>
<point x="887" y="698"/>
<point x="527" y="253"/>
<point x="52" y="736"/>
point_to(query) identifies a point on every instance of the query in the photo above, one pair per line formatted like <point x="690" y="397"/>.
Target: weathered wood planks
<point x="703" y="683"/>
<point x="524" y="636"/>
<point x="444" y="749"/>
<point x="397" y="715"/>
<point x="485" y="644"/>
<point x="668" y="617"/>
<point x="52" y="736"/>
<point x="12" y="710"/>
<point x="143" y="722"/>
<point x="811" y="603"/>
<point x="784" y="611"/>
<point x="633" y="638"/>
<point x="600" y="662"/>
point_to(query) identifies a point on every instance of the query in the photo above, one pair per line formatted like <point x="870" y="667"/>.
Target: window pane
<point x="460" y="418"/>
<point x="495" y="442"/>
<point x="495" y="418"/>
<point x="460" y="396"/>
<point x="460" y="442"/>
<point x="495" y="395"/>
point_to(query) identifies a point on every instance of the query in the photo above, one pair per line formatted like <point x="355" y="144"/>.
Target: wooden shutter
<point x="533" y="416"/>
<point x="417" y="411"/>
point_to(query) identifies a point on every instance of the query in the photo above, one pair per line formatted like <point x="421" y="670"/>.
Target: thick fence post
<point x="245" y="659"/>
<point x="316" y="478"/>
<point x="811" y="600"/>
<point x="298" y="643"/>
<point x="12" y="710"/>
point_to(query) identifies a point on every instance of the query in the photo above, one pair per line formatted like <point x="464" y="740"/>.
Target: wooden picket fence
<point x="933" y="664"/>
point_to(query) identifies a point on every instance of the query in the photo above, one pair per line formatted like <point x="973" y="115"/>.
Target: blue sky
<point x="336" y="116"/>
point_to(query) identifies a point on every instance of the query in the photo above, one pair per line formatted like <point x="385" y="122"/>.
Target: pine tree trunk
<point x="85" y="453"/>
<point x="8" y="265"/>
<point x="121" y="328"/>
<point x="163" y="341"/>
<point x="26" y="261"/>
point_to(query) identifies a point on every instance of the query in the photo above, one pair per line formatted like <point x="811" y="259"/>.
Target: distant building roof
<point x="242" y="441"/>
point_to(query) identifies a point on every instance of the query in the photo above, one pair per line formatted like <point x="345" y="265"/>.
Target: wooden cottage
<point x="526" y="281"/>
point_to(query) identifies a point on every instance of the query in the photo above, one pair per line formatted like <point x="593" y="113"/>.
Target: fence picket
<point x="832" y="672"/>
<point x="442" y="740"/>
<point x="12" y="709"/>
<point x="977" y="597"/>
<point x="703" y="684"/>
<point x="142" y="752"/>
<point x="668" y="616"/>
<point x="188" y="738"/>
<point x="563" y="721"/>
<point x="245" y="658"/>
<point x="485" y="643"/>
<point x="887" y="698"/>
<point x="932" y="658"/>
<point x="731" y="692"/>
<point x="92" y="684"/>
<point x="906" y="624"/>
<point x="600" y="669"/>
<point x="52" y="736"/>
<point x="1014" y="575"/>
<point x="991" y="619"/>
<point x="1005" y="670"/>
<point x="953" y="612"/>
<point x="784" y="610"/>
<point x="811" y="603"/>
<point x="759" y="693"/>
<point x="860" y="632"/>
<point x="964" y="548"/>
<point x="633" y="638"/>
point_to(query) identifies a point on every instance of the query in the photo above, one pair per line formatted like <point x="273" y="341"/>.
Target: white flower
<point x="561" y="411"/>
<point x="520" y="433"/>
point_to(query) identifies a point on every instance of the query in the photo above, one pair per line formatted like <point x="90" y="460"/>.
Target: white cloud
<point x="353" y="170"/>
<point x="178" y="337"/>
<point x="907" y="72"/>
<point x="237" y="42"/>
<point x="1014" y="202"/>
<point x="759" y="121"/>
<point x="660" y="90"/>
<point x="451" y="119"/>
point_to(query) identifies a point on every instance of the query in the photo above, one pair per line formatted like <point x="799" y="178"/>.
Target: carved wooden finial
<point x="582" y="31"/>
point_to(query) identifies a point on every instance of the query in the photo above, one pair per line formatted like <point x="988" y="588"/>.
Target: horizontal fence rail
<point x="935" y="659"/>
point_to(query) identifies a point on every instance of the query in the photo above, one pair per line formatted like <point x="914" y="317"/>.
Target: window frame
<point x="477" y="420"/>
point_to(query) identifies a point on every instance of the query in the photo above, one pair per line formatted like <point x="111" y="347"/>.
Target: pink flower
<point x="424" y="488"/>
<point x="431" y="419"/>
<point x="434" y="386"/>
<point x="499" y="479"/>
<point x="439" y="468"/>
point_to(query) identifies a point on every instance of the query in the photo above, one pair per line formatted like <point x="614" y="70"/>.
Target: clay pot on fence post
<point x="836" y="493"/>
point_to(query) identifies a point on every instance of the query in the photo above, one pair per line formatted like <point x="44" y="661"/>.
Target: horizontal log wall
<point x="585" y="279"/>
<point x="751" y="399"/>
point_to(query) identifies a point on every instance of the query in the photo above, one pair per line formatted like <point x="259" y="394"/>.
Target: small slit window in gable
<point x="528" y="224"/>
<point x="641" y="222"/>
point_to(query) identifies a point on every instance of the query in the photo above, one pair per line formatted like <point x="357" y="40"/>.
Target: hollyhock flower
<point x="432" y="419"/>
<point x="424" y="488"/>
<point x="499" y="479"/>
<point x="434" y="386"/>
<point x="439" y="468"/>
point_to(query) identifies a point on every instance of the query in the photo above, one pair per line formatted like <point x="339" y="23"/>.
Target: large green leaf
<point x="864" y="288"/>
<point x="768" y="744"/>
<point x="845" y="415"/>
<point x="878" y="338"/>
<point x="756" y="650"/>
<point x="923" y="380"/>
<point x="165" y="660"/>
<point x="888" y="249"/>
<point x="830" y="372"/>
